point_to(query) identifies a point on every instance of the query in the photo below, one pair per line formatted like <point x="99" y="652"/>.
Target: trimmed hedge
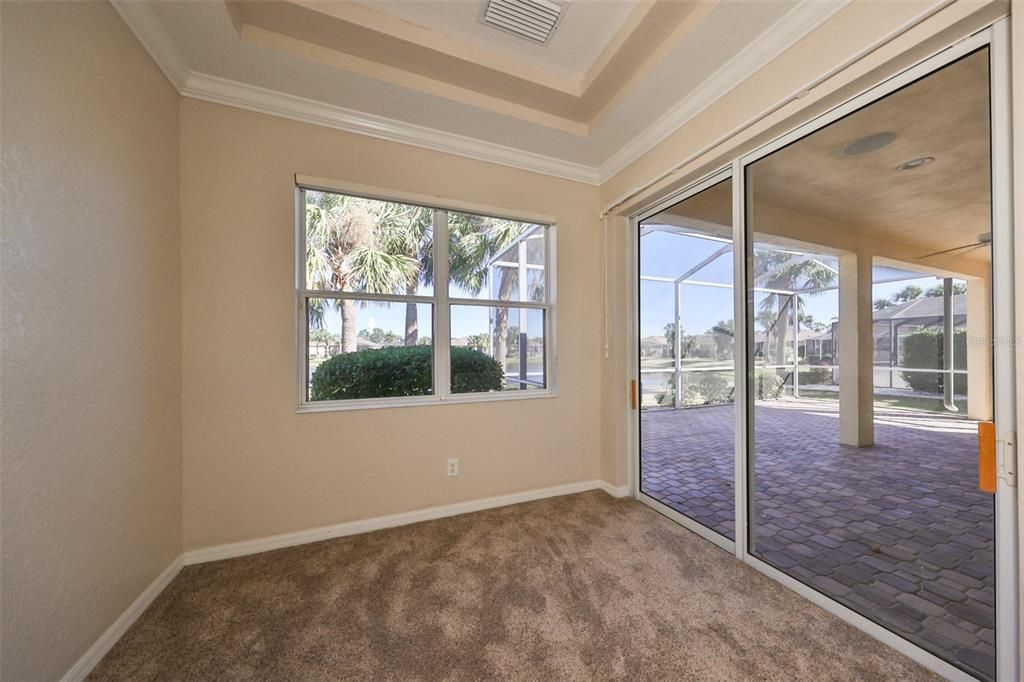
<point x="768" y="384"/>
<point x="704" y="389"/>
<point x="474" y="371"/>
<point x="924" y="350"/>
<point x="401" y="371"/>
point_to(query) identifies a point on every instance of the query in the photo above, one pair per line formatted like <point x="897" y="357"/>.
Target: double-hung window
<point x="404" y="303"/>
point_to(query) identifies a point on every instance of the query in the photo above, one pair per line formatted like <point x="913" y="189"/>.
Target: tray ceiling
<point x="614" y="73"/>
<point x="585" y="30"/>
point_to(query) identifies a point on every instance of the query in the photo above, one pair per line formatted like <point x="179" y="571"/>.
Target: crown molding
<point x="253" y="98"/>
<point x="144" y="23"/>
<point x="142" y="20"/>
<point x="783" y="34"/>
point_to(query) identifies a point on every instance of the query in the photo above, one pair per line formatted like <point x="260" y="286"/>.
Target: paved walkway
<point x="898" y="532"/>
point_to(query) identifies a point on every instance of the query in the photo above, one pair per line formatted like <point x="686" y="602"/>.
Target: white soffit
<point x="172" y="34"/>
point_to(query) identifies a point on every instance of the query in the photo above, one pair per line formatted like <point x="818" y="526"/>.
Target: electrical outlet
<point x="453" y="467"/>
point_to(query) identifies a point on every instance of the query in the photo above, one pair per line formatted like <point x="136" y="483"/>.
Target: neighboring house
<point x="655" y="347"/>
<point x="900" y="320"/>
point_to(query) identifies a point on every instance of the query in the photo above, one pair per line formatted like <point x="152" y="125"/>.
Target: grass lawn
<point x="904" y="402"/>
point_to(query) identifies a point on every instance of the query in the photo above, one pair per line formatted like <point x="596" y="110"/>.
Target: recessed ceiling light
<point x="915" y="163"/>
<point x="871" y="143"/>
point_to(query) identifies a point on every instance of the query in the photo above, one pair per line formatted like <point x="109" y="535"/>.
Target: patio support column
<point x="524" y="295"/>
<point x="856" y="370"/>
<point x="796" y="345"/>
<point x="677" y="350"/>
<point x="948" y="346"/>
<point x="979" y="350"/>
<point x="894" y="349"/>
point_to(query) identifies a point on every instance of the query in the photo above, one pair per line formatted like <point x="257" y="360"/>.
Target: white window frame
<point x="439" y="300"/>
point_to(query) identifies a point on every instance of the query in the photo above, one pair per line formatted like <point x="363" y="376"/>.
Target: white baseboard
<point x="236" y="549"/>
<point x="106" y="642"/>
<point x="108" y="639"/>
<point x="615" y="490"/>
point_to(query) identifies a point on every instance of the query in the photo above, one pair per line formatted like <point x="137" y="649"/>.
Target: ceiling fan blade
<point x="955" y="248"/>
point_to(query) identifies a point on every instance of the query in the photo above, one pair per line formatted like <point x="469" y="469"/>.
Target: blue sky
<point x="670" y="255"/>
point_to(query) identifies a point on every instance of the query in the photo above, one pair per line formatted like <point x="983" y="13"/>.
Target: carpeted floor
<point x="577" y="587"/>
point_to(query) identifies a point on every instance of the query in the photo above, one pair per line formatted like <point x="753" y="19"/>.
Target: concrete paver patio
<point x="898" y="532"/>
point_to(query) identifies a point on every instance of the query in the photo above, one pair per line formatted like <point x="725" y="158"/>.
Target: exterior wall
<point x="253" y="466"/>
<point x="91" y="328"/>
<point x="979" y="349"/>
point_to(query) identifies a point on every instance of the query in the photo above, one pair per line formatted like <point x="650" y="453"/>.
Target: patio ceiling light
<point x="915" y="163"/>
<point x="871" y="143"/>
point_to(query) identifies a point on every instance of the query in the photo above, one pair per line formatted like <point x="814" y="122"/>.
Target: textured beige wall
<point x="253" y="467"/>
<point x="91" y="356"/>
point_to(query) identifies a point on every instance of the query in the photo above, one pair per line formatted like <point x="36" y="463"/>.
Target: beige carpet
<point x="577" y="587"/>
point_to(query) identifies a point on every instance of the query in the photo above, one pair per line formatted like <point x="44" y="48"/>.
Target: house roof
<point x="925" y="306"/>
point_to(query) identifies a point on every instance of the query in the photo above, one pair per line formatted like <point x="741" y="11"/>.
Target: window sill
<point x="422" y="401"/>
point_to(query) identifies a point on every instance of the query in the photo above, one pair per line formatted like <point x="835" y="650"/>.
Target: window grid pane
<point x="367" y="275"/>
<point x="359" y="349"/>
<point x="496" y="259"/>
<point x="498" y="348"/>
<point x="355" y="244"/>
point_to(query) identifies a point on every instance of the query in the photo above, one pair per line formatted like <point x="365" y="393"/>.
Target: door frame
<point x="996" y="37"/>
<point x="683" y="194"/>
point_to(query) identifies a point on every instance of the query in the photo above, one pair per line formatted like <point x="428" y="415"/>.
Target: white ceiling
<point x="734" y="39"/>
<point x="585" y="29"/>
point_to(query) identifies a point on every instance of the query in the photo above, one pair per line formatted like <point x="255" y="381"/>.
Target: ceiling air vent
<point x="534" y="20"/>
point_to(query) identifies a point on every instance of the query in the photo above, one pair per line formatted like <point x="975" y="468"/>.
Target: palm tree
<point x="783" y="271"/>
<point x="474" y="242"/>
<point x="938" y="290"/>
<point x="322" y="338"/>
<point x="907" y="293"/>
<point x="807" y="320"/>
<point x="723" y="332"/>
<point x="355" y="244"/>
<point x="686" y="342"/>
<point x="351" y="246"/>
<point x="408" y="230"/>
<point x="477" y="342"/>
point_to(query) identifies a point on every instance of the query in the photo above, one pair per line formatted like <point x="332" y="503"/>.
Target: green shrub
<point x="767" y="384"/>
<point x="475" y="372"/>
<point x="711" y="389"/>
<point x="817" y="375"/>
<point x="401" y="371"/>
<point x="924" y="350"/>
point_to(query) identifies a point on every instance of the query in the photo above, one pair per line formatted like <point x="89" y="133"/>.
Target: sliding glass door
<point x="822" y="386"/>
<point x="863" y="475"/>
<point x="687" y="362"/>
